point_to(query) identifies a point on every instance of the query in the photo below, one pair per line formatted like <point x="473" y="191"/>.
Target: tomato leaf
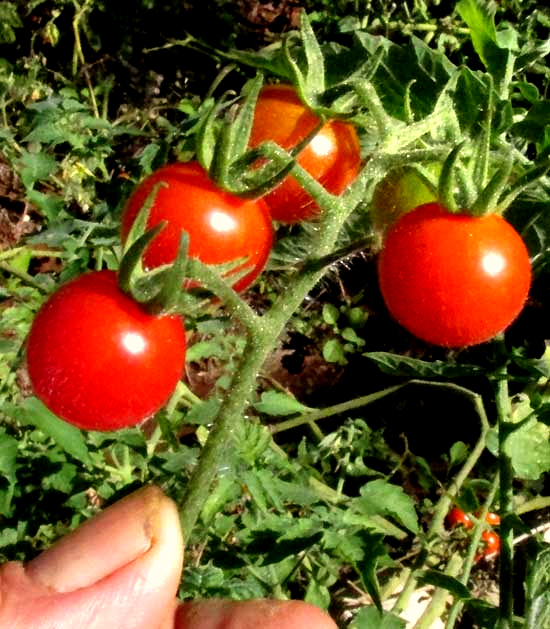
<point x="441" y="580"/>
<point x="529" y="446"/>
<point x="33" y="412"/>
<point x="396" y="365"/>
<point x="279" y="404"/>
<point x="379" y="497"/>
<point x="538" y="591"/>
<point x="494" y="49"/>
<point x="372" y="618"/>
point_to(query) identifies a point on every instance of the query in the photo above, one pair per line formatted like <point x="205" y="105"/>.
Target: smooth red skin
<point x="432" y="276"/>
<point x="281" y="117"/>
<point x="493" y="519"/>
<point x="491" y="545"/>
<point x="189" y="201"/>
<point x="80" y="367"/>
<point x="457" y="517"/>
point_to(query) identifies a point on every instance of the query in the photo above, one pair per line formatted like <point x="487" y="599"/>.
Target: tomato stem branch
<point x="506" y="578"/>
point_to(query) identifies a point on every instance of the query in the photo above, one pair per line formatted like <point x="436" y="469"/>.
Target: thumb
<point x="120" y="569"/>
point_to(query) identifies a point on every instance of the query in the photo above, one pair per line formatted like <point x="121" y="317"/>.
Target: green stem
<point x="25" y="277"/>
<point x="437" y="524"/>
<point x="506" y="576"/>
<point x="437" y="605"/>
<point x="472" y="551"/>
<point x="217" y="442"/>
<point x="336" y="409"/>
<point x="262" y="334"/>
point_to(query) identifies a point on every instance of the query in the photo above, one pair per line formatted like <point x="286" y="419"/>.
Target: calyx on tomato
<point x="332" y="156"/>
<point x="221" y="227"/>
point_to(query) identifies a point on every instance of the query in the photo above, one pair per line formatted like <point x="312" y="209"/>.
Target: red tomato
<point x="492" y="519"/>
<point x="457" y="517"/>
<point x="98" y="360"/>
<point x="222" y="227"/>
<point x="452" y="279"/>
<point x="332" y="156"/>
<point x="491" y="545"/>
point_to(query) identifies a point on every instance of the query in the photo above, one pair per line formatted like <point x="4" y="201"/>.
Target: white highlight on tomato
<point x="221" y="222"/>
<point x="493" y="264"/>
<point x="321" y="145"/>
<point x="134" y="343"/>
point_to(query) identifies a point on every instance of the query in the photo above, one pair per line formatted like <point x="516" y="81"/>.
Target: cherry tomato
<point x="491" y="545"/>
<point x="332" y="156"/>
<point x="98" y="360"/>
<point x="457" y="517"/>
<point x="492" y="519"/>
<point x="452" y="279"/>
<point x="221" y="227"/>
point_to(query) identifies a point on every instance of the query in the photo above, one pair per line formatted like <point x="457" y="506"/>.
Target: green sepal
<point x="447" y="180"/>
<point x="487" y="199"/>
<point x="131" y="264"/>
<point x="234" y="134"/>
<point x="311" y="82"/>
<point x="139" y="226"/>
<point x="529" y="177"/>
<point x="168" y="297"/>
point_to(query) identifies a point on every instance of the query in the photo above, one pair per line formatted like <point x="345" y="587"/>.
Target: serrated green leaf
<point x="204" y="412"/>
<point x="371" y="618"/>
<point x="529" y="445"/>
<point x="36" y="167"/>
<point x="494" y="50"/>
<point x="33" y="412"/>
<point x="379" y="497"/>
<point x="538" y="592"/>
<point x="333" y="352"/>
<point x="279" y="404"/>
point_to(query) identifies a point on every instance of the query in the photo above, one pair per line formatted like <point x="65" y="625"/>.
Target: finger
<point x="267" y="614"/>
<point x="121" y="569"/>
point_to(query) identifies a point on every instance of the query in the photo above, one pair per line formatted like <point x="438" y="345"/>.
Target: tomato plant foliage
<point x="311" y="494"/>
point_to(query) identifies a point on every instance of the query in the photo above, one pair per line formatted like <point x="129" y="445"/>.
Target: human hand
<point x="121" y="570"/>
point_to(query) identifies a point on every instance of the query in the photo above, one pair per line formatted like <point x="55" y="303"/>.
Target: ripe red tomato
<point x="332" y="156"/>
<point x="491" y="545"/>
<point x="457" y="517"/>
<point x="452" y="279"/>
<point x="98" y="360"/>
<point x="222" y="227"/>
<point x="492" y="519"/>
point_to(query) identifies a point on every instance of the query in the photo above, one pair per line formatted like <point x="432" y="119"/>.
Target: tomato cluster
<point x="490" y="540"/>
<point x="95" y="356"/>
<point x="450" y="279"/>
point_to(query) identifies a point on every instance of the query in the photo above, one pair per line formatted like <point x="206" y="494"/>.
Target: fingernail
<point x="110" y="540"/>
